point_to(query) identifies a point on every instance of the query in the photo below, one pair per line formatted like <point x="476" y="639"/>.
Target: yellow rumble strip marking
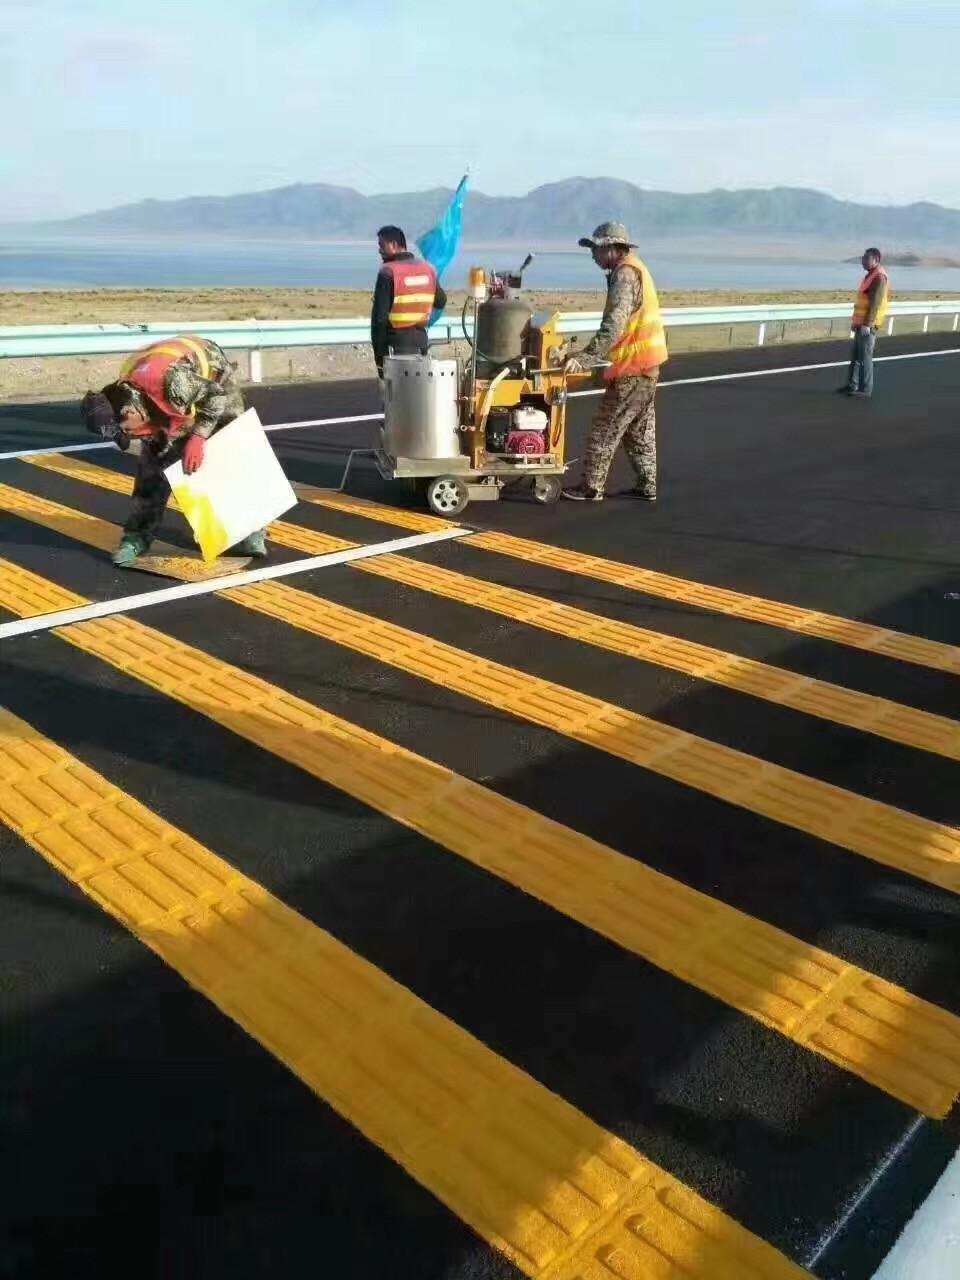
<point x="72" y="524"/>
<point x="560" y="1196"/>
<point x="867" y="712"/>
<point x="872" y="1028"/>
<point x="894" y="837"/>
<point x="823" y="626"/>
<point x="288" y="535"/>
<point x="922" y="848"/>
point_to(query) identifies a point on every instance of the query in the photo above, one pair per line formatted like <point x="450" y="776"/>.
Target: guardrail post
<point x="890" y="326"/>
<point x="761" y="334"/>
<point x="956" y="321"/>
<point x="256" y="365"/>
<point x="926" y="324"/>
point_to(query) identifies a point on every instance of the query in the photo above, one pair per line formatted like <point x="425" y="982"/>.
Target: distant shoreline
<point x="132" y="306"/>
<point x="915" y="260"/>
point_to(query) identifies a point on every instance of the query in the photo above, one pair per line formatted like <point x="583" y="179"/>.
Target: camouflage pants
<point x="151" y="493"/>
<point x="626" y="414"/>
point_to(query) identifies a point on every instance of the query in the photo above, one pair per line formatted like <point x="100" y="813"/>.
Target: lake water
<point x="83" y="264"/>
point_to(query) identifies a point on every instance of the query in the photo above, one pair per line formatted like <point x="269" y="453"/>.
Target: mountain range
<point x="554" y="213"/>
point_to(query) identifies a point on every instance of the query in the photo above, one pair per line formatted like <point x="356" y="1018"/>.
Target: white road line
<point x="795" y="368"/>
<point x="108" y="444"/>
<point x="929" y="1248"/>
<point x="378" y="417"/>
<point x="324" y="422"/>
<point x="801" y="368"/>
<point x="881" y="1171"/>
<point x="58" y="448"/>
<point x="187" y="590"/>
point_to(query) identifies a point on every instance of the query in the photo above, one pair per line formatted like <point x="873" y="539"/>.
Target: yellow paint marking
<point x="403" y="518"/>
<point x="922" y="848"/>
<point x="73" y="524"/>
<point x="823" y="626"/>
<point x="867" y="712"/>
<point x="533" y="1176"/>
<point x="864" y="711"/>
<point x="288" y="535"/>
<point x="870" y="1027"/>
<point x="918" y="846"/>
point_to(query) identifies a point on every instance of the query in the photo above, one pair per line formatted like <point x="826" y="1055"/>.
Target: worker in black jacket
<point x="407" y="292"/>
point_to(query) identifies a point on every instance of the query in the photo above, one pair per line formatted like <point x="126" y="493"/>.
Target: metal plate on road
<point x="190" y="568"/>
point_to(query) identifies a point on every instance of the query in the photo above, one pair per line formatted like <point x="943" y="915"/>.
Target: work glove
<point x="193" y="454"/>
<point x="573" y="365"/>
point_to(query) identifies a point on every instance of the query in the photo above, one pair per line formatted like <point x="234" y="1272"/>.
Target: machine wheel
<point x="447" y="496"/>
<point x="546" y="489"/>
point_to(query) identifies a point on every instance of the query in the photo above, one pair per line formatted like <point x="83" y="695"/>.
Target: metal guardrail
<point x="256" y="336"/>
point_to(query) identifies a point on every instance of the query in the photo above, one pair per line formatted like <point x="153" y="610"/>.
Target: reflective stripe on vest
<point x="414" y="289"/>
<point x="642" y="347"/>
<point x="861" y="301"/>
<point x="147" y="370"/>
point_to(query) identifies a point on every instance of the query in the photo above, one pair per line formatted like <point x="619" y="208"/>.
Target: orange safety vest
<point x="414" y="289"/>
<point x="147" y="371"/>
<point x="642" y="347"/>
<point x="861" y="301"/>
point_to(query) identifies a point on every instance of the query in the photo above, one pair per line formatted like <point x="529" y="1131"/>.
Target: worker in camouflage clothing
<point x="632" y="344"/>
<point x="169" y="399"/>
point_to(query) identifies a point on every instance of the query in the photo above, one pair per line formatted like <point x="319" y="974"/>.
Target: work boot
<point x="643" y="495"/>
<point x="582" y="493"/>
<point x="255" y="544"/>
<point x="132" y="546"/>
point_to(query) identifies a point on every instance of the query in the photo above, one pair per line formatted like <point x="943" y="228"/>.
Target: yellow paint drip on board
<point x="208" y="529"/>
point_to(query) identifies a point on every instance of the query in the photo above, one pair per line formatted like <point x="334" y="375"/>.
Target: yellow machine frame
<point x="546" y="382"/>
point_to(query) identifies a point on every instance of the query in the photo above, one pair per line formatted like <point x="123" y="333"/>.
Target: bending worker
<point x="631" y="338"/>
<point x="170" y="397"/>
<point x="869" y="312"/>
<point x="407" y="292"/>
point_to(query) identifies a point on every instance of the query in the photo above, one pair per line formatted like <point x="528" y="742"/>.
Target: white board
<point x="239" y="488"/>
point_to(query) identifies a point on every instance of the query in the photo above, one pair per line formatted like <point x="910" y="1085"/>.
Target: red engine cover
<point x="526" y="442"/>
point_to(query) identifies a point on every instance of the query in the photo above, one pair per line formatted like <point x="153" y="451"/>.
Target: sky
<point x="107" y="102"/>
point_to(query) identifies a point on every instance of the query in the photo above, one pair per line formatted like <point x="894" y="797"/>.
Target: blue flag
<point x="439" y="246"/>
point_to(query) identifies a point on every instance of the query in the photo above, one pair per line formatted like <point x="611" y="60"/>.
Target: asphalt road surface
<point x="577" y="898"/>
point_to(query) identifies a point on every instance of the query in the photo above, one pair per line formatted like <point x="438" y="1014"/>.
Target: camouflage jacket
<point x="212" y="401"/>
<point x="624" y="297"/>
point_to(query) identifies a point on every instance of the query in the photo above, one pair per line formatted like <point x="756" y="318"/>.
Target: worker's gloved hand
<point x="193" y="454"/>
<point x="573" y="365"/>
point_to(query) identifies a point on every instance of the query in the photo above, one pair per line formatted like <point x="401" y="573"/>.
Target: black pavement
<point x="148" y="1134"/>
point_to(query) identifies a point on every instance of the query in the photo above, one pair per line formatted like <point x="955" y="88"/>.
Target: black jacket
<point x="383" y="336"/>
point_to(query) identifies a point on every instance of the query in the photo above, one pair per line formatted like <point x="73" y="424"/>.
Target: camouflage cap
<point x="608" y="233"/>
